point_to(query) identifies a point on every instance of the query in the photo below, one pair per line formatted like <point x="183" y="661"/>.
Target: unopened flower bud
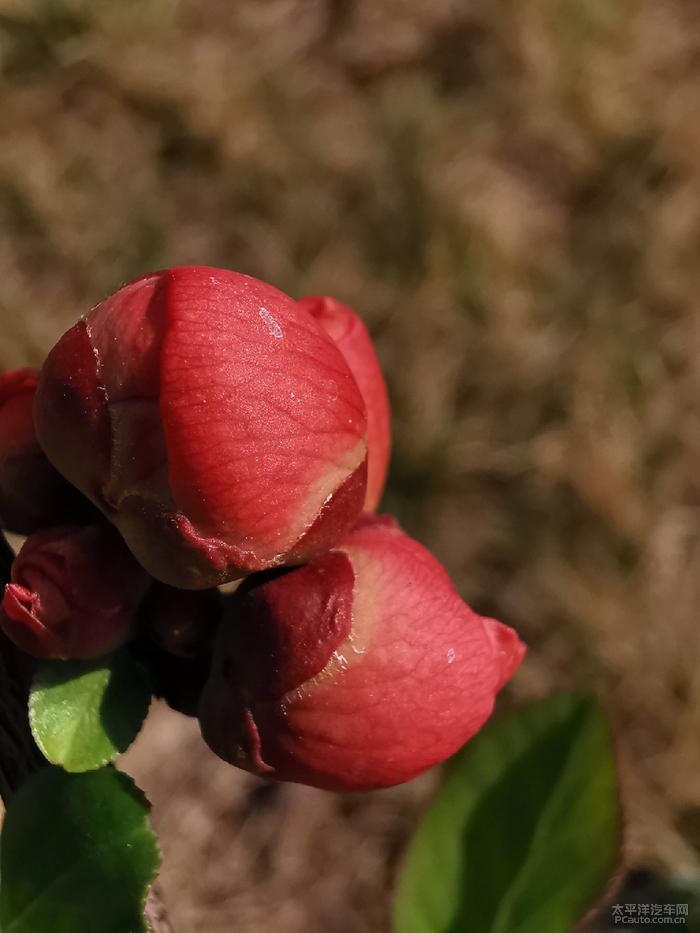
<point x="33" y="494"/>
<point x="212" y="420"/>
<point x="182" y="622"/>
<point x="73" y="593"/>
<point x="357" y="671"/>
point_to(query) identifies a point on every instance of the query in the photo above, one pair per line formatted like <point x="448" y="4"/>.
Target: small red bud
<point x="73" y="593"/>
<point x="182" y="622"/>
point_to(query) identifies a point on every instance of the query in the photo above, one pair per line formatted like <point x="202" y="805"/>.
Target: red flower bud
<point x="354" y="342"/>
<point x="33" y="494"/>
<point x="357" y="671"/>
<point x="73" y="593"/>
<point x="181" y="622"/>
<point x="212" y="420"/>
<point x="174" y="634"/>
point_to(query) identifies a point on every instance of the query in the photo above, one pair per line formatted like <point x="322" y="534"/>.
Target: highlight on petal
<point x="261" y="429"/>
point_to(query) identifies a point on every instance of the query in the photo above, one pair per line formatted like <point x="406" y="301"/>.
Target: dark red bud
<point x="73" y="593"/>
<point x="33" y="494"/>
<point x="181" y="622"/>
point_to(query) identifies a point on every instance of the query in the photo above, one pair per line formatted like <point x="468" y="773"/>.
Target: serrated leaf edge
<point x="152" y="875"/>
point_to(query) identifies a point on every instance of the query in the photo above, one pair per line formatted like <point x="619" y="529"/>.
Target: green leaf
<point x="523" y="835"/>
<point x="77" y="854"/>
<point x="84" y="713"/>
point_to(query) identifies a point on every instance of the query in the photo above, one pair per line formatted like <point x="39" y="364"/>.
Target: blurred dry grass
<point x="509" y="193"/>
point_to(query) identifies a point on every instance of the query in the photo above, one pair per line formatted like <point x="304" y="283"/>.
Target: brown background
<point x="509" y="194"/>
